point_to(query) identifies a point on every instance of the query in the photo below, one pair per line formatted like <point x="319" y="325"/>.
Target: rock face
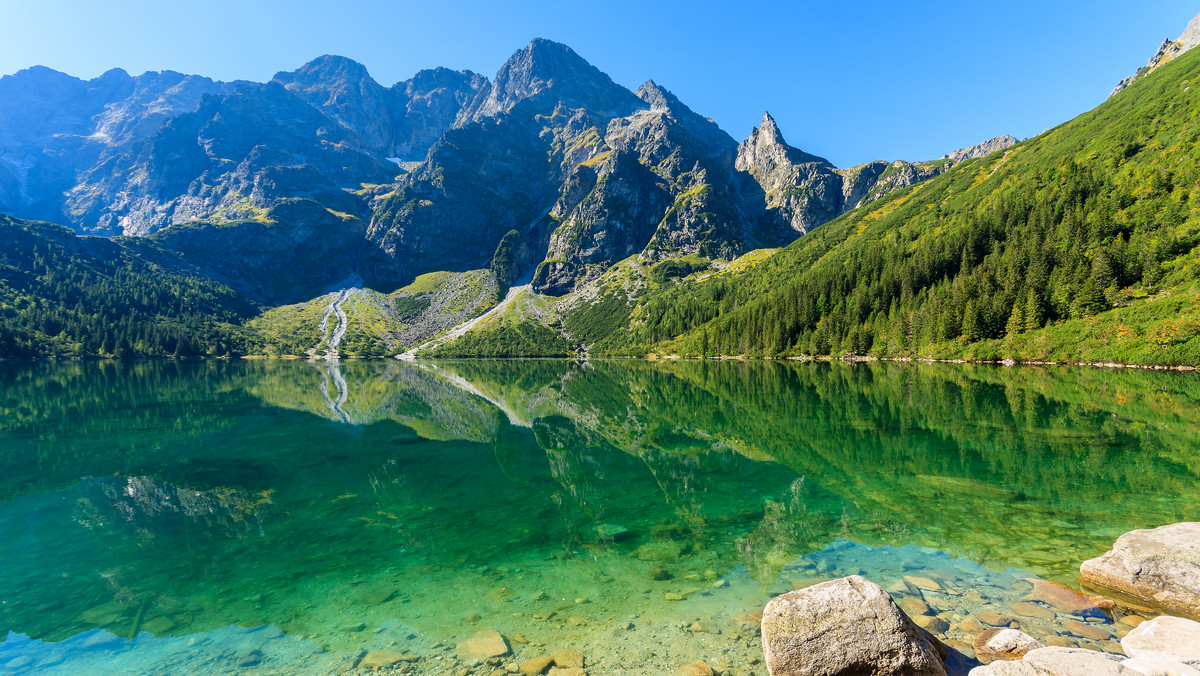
<point x="1004" y="644"/>
<point x="1173" y="638"/>
<point x="1160" y="565"/>
<point x="799" y="191"/>
<point x="848" y="625"/>
<point x="1167" y="52"/>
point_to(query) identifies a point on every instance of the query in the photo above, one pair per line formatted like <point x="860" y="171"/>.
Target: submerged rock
<point x="485" y="644"/>
<point x="1159" y="565"/>
<point x="1063" y="599"/>
<point x="848" y="625"/>
<point x="1173" y="638"/>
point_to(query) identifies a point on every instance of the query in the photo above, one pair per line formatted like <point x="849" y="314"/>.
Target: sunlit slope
<point x="1079" y="244"/>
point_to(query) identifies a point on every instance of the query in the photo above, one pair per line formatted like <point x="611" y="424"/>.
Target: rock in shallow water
<point x="1004" y="644"/>
<point x="1159" y="565"/>
<point x="848" y="625"/>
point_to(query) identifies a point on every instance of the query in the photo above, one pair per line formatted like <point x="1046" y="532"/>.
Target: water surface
<point x="277" y="517"/>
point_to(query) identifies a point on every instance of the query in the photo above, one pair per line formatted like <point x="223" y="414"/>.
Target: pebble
<point x="697" y="668"/>
<point x="536" y="665"/>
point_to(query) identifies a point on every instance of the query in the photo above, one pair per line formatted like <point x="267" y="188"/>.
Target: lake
<point x="284" y="517"/>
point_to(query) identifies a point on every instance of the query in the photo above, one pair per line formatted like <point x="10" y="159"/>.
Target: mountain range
<point x="322" y="206"/>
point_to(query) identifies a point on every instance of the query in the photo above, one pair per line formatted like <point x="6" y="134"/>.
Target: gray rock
<point x="1173" y="638"/>
<point x="1159" y="565"/>
<point x="848" y="625"/>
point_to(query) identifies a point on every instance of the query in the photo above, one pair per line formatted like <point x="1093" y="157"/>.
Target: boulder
<point x="1159" y="565"/>
<point x="848" y="625"/>
<point x="1004" y="644"/>
<point x="1173" y="638"/>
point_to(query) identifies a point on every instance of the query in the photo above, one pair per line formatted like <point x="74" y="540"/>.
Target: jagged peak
<point x="545" y="66"/>
<point x="656" y="96"/>
<point x="768" y="131"/>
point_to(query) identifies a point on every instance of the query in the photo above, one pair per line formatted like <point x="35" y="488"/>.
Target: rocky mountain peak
<point x="547" y="73"/>
<point x="1167" y="52"/>
<point x="328" y="67"/>
<point x="768" y="131"/>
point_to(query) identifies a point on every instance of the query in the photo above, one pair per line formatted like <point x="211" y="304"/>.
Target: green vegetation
<point x="68" y="296"/>
<point x="290" y="329"/>
<point x="525" y="339"/>
<point x="1080" y="243"/>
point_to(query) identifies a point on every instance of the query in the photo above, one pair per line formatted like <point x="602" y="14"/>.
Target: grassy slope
<point x="1094" y="224"/>
<point x="379" y="324"/>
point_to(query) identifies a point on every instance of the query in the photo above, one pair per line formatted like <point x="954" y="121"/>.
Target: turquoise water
<point x="282" y="517"/>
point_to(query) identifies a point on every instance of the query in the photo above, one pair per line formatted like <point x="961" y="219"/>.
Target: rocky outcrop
<point x="1168" y="51"/>
<point x="1170" y="638"/>
<point x="1159" y="565"/>
<point x="799" y="191"/>
<point x="845" y="626"/>
<point x="984" y="149"/>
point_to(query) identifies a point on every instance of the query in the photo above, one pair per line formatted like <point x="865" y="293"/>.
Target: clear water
<point x="282" y="517"/>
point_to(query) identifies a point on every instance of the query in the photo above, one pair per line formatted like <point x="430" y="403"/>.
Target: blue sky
<point x="853" y="81"/>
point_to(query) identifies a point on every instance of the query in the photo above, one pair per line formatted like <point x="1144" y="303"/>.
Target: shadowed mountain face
<point x="428" y="174"/>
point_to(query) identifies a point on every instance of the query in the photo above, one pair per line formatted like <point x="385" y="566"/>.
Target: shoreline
<point x="1183" y="368"/>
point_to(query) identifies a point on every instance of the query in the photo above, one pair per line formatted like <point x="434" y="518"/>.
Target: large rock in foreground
<point x="849" y="625"/>
<point x="1160" y="565"/>
<point x="1172" y="638"/>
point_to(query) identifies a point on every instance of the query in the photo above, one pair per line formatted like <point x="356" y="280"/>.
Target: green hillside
<point x="1079" y="244"/>
<point x="68" y="296"/>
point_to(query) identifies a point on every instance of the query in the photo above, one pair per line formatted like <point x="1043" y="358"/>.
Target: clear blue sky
<point x="853" y="81"/>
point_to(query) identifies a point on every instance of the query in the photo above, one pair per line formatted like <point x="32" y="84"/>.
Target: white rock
<point x="1174" y="638"/>
<point x="1159" y="666"/>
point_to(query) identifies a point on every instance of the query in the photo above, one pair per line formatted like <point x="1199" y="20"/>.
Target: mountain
<point x="322" y="179"/>
<point x="1167" y="51"/>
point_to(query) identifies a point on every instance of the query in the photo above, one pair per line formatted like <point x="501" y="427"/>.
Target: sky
<point x="852" y="81"/>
